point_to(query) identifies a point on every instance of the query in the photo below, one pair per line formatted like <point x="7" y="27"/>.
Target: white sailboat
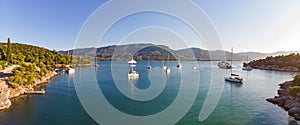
<point x="96" y="65"/>
<point x="224" y="65"/>
<point x="179" y="65"/>
<point x="69" y="69"/>
<point x="194" y="67"/>
<point x="148" y="66"/>
<point x="132" y="73"/>
<point x="163" y="64"/>
<point x="247" y="68"/>
<point x="233" y="77"/>
<point x="168" y="70"/>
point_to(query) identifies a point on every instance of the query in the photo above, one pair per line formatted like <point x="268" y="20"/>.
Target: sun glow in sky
<point x="254" y="25"/>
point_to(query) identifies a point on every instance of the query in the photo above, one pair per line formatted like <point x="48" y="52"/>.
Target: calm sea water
<point x="239" y="103"/>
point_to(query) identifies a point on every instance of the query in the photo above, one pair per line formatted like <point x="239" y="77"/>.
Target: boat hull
<point x="233" y="80"/>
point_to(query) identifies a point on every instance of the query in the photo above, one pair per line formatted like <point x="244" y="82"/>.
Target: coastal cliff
<point x="7" y="92"/>
<point x="289" y="97"/>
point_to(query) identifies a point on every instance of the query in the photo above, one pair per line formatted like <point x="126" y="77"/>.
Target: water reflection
<point x="132" y="81"/>
<point x="236" y="85"/>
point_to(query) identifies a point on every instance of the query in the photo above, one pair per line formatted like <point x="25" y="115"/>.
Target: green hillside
<point x="20" y="53"/>
<point x="289" y="62"/>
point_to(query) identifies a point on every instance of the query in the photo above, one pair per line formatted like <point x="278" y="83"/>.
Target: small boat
<point x="179" y="65"/>
<point x="234" y="77"/>
<point x="224" y="65"/>
<point x="168" y="69"/>
<point x="70" y="70"/>
<point x="164" y="67"/>
<point x="247" y="68"/>
<point x="96" y="65"/>
<point x="132" y="73"/>
<point x="194" y="67"/>
<point x="56" y="70"/>
<point x="148" y="66"/>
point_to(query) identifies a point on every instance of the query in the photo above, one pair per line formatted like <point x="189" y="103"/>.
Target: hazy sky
<point x="253" y="25"/>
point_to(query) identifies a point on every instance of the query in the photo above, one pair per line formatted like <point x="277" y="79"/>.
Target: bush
<point x="296" y="81"/>
<point x="294" y="90"/>
<point x="3" y="64"/>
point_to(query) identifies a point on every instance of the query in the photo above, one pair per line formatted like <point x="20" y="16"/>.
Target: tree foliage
<point x="295" y="86"/>
<point x="8" y="51"/>
<point x="296" y="81"/>
<point x="19" y="53"/>
<point x="282" y="61"/>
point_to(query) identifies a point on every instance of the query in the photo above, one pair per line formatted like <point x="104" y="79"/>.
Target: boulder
<point x="282" y="92"/>
<point x="291" y="103"/>
<point x="297" y="116"/>
<point x="294" y="110"/>
<point x="282" y="100"/>
<point x="285" y="85"/>
<point x="272" y="100"/>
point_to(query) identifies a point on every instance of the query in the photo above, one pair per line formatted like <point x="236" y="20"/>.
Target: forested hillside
<point x="16" y="53"/>
<point x="289" y="62"/>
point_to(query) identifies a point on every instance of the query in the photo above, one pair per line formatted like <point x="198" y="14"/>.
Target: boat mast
<point x="163" y="60"/>
<point x="131" y="65"/>
<point x="148" y="61"/>
<point x="231" y="59"/>
<point x="247" y="57"/>
<point x="168" y="60"/>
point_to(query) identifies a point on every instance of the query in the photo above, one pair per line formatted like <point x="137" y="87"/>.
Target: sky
<point x="254" y="25"/>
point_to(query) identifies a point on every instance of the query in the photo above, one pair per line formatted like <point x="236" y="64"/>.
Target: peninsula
<point x="289" y="63"/>
<point x="23" y="67"/>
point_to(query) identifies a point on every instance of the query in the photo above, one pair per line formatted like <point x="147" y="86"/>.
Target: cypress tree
<point x="8" y="51"/>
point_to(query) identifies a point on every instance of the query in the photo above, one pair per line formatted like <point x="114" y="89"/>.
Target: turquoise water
<point x="238" y="104"/>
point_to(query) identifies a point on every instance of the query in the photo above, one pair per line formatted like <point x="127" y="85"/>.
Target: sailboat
<point x="96" y="65"/>
<point x="179" y="65"/>
<point x="168" y="70"/>
<point x="247" y="68"/>
<point x="132" y="73"/>
<point x="224" y="65"/>
<point x="163" y="64"/>
<point x="148" y="66"/>
<point x="193" y="66"/>
<point x="233" y="77"/>
<point x="70" y="70"/>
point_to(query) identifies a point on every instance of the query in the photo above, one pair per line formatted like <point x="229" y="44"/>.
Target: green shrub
<point x="296" y="81"/>
<point x="294" y="90"/>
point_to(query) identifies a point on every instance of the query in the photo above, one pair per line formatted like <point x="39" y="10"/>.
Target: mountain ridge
<point x="160" y="52"/>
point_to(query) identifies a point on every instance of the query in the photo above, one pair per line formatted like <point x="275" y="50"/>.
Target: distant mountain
<point x="160" y="52"/>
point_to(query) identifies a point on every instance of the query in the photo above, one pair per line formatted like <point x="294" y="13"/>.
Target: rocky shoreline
<point x="7" y="92"/>
<point x="276" y="68"/>
<point x="286" y="101"/>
